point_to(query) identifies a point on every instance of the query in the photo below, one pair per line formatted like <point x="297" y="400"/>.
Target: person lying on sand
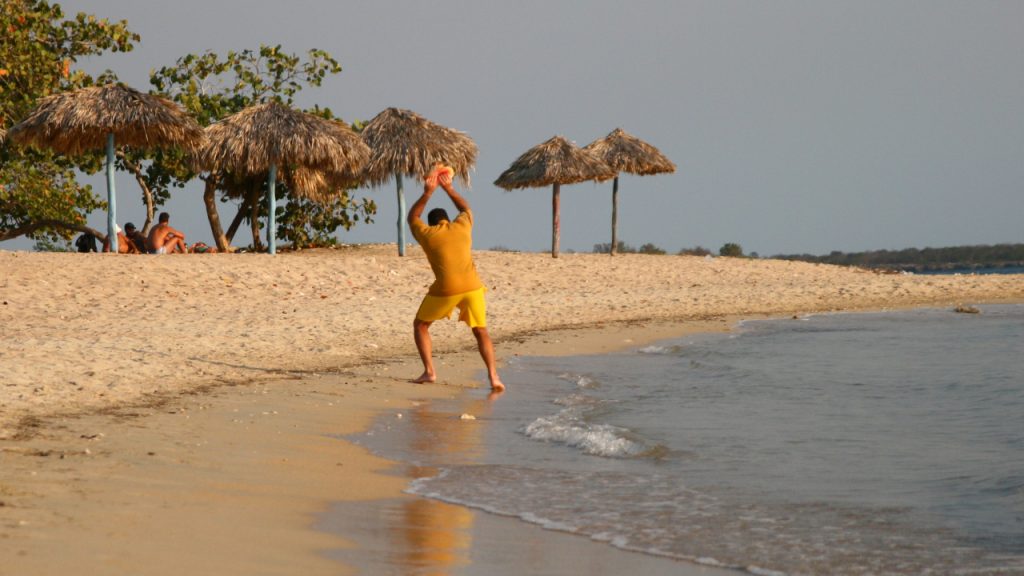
<point x="165" y="240"/>
<point x="448" y="246"/>
<point x="201" y="248"/>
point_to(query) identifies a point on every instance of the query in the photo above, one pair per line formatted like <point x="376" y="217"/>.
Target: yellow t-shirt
<point x="449" y="249"/>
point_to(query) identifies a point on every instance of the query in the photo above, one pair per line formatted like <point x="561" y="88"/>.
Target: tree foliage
<point x="211" y="87"/>
<point x="731" y="249"/>
<point x="309" y="224"/>
<point x="695" y="251"/>
<point x="620" y="247"/>
<point x="650" y="248"/>
<point x="39" y="47"/>
<point x="623" y="248"/>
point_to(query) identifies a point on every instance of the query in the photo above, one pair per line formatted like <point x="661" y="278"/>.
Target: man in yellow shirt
<point x="448" y="246"/>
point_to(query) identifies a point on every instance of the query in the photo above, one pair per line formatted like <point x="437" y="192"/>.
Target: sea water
<point x="888" y="443"/>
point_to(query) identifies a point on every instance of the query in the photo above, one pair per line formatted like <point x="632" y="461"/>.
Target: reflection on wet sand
<point x="435" y="536"/>
<point x="416" y="536"/>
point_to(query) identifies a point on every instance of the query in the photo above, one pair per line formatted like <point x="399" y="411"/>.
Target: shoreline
<point x="454" y="551"/>
<point x="222" y="470"/>
<point x="237" y="478"/>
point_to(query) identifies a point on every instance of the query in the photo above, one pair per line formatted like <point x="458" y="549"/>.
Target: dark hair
<point x="129" y="226"/>
<point x="165" y="217"/>
<point x="435" y="216"/>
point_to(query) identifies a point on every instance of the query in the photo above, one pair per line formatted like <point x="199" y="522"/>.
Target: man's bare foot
<point x="425" y="378"/>
<point x="496" y="385"/>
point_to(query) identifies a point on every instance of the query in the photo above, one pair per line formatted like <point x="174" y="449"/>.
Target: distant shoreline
<point x="980" y="259"/>
<point x="960" y="268"/>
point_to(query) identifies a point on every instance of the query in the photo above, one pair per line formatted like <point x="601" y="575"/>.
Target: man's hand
<point x="445" y="180"/>
<point x="430" y="183"/>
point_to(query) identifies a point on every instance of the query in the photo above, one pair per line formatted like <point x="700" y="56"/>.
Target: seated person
<point x="165" y="240"/>
<point x="86" y="243"/>
<point x="124" y="244"/>
<point x="136" y="236"/>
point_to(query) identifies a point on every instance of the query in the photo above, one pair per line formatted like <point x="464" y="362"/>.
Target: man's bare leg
<point x="421" y="332"/>
<point x="483" y="341"/>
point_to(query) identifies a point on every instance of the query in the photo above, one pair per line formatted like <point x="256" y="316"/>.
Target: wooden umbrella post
<point x="401" y="215"/>
<point x="615" y="215"/>
<point x="111" y="197"/>
<point x="272" y="210"/>
<point x="556" y="161"/>
<point x="556" y="224"/>
<point x="625" y="153"/>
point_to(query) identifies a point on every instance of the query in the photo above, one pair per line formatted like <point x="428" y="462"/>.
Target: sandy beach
<point x="184" y="412"/>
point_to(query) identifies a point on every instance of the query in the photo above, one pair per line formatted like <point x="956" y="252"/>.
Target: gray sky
<point x="796" y="126"/>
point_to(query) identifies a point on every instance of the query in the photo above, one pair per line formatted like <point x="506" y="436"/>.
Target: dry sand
<point x="181" y="413"/>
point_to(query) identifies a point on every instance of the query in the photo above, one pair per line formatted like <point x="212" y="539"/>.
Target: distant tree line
<point x="926" y="259"/>
<point x="623" y="248"/>
<point x="729" y="249"/>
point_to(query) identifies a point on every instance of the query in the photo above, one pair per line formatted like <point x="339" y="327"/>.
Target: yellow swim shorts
<point x="472" y="308"/>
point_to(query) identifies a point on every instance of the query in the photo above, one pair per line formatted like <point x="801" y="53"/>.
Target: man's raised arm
<point x="417" y="208"/>
<point x="445" y="180"/>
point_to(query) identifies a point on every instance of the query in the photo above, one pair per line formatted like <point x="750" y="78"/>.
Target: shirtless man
<point x="448" y="246"/>
<point x="165" y="240"/>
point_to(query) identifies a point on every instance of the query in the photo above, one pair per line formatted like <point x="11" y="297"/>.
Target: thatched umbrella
<point x="554" y="163"/>
<point x="627" y="153"/>
<point x="267" y="137"/>
<point x="405" y="143"/>
<point x="91" y="118"/>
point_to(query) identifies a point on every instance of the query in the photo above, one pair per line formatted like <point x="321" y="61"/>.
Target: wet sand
<point x="258" y="479"/>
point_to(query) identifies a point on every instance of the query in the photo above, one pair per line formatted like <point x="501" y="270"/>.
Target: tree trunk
<point x="237" y="221"/>
<point x="210" y="200"/>
<point x="254" y="219"/>
<point x="147" y="194"/>
<point x="556" y="225"/>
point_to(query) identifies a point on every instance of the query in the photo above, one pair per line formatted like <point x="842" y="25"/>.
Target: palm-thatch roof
<point x="403" y="142"/>
<point x="79" y="120"/>
<point x="312" y="153"/>
<point x="627" y="153"/>
<point x="252" y="140"/>
<point x="317" y="185"/>
<point x="556" y="161"/>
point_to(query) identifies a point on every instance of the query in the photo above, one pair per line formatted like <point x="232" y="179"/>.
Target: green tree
<point x="650" y="248"/>
<point x="39" y="197"/>
<point x="620" y="248"/>
<point x="212" y="87"/>
<point x="731" y="249"/>
<point x="309" y="224"/>
<point x="695" y="251"/>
